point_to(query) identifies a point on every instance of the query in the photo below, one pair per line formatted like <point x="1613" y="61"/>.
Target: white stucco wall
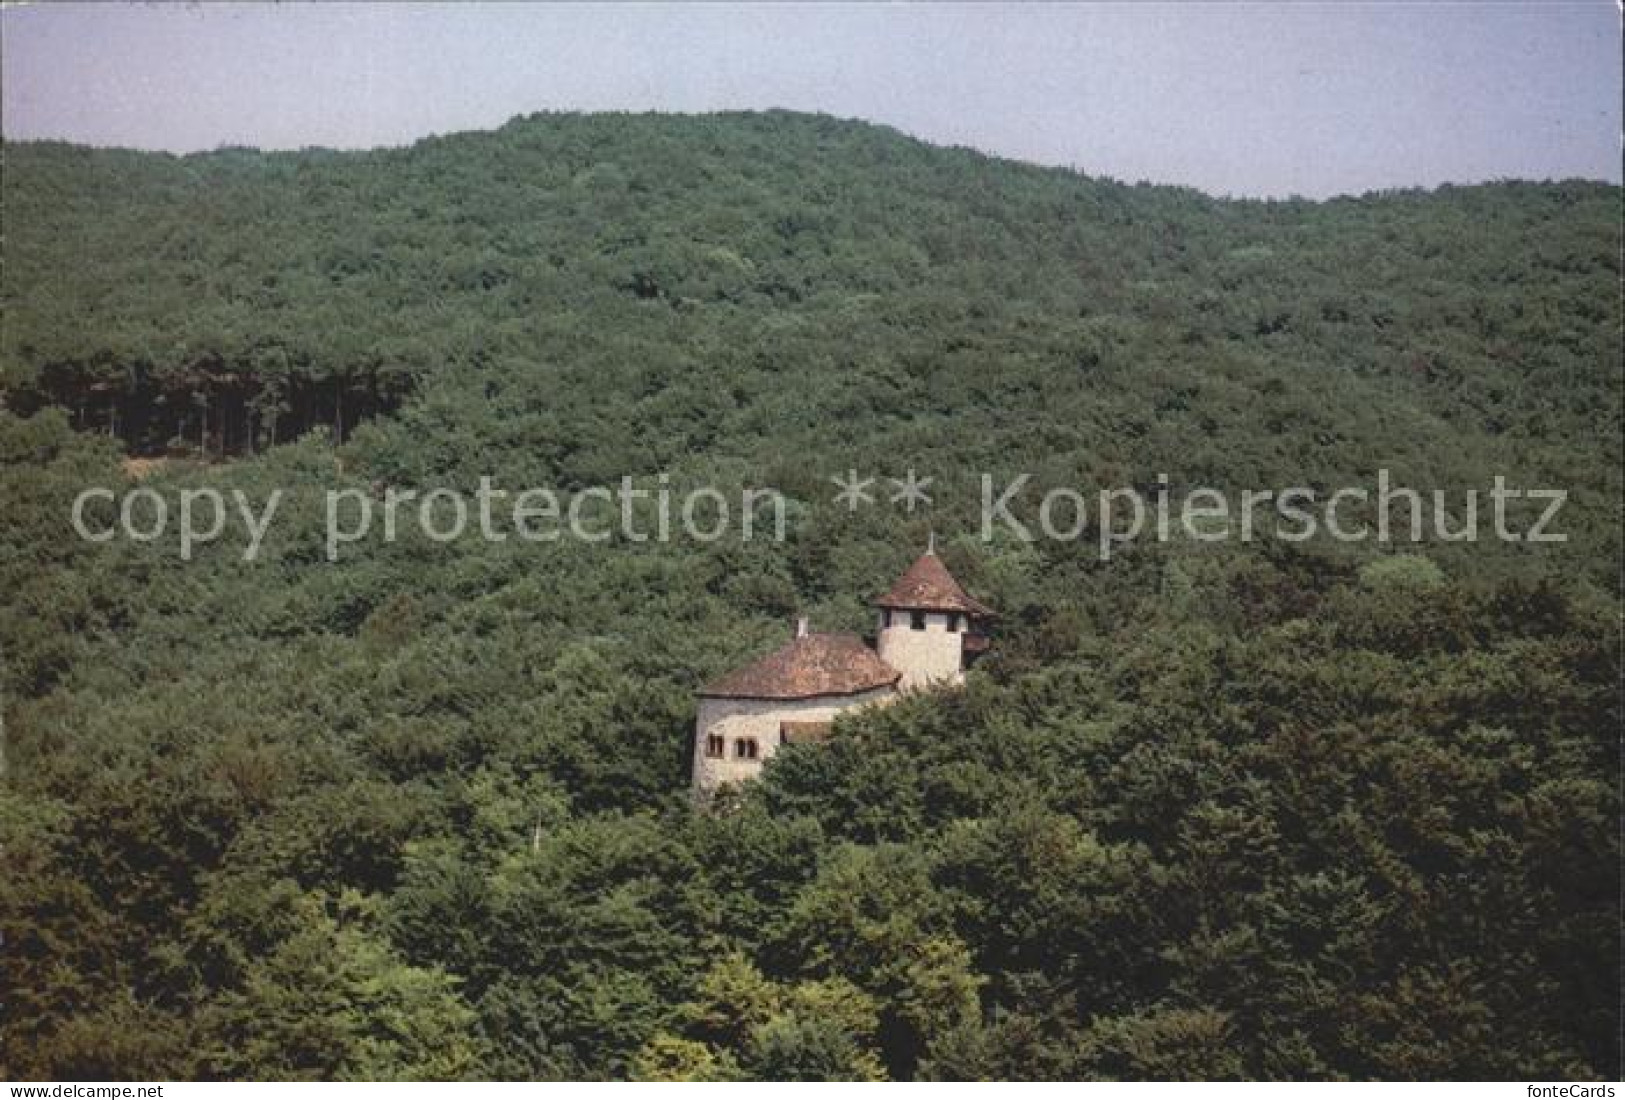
<point x="934" y="655"/>
<point x="759" y="718"/>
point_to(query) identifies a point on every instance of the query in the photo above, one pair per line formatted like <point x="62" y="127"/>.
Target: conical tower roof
<point x="928" y="586"/>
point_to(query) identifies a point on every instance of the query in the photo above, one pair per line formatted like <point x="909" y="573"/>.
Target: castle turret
<point x="929" y="629"/>
<point x="928" y="625"/>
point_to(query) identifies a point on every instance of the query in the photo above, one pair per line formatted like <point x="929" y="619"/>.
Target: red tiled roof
<point x="815" y="664"/>
<point x="928" y="586"/>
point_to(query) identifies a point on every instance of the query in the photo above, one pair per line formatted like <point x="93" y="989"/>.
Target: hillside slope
<point x="1210" y="809"/>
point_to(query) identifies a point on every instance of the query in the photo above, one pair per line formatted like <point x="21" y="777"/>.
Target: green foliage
<point x="1256" y="810"/>
<point x="1401" y="573"/>
<point x="741" y="1022"/>
<point x="664" y="1058"/>
<point x="333" y="1003"/>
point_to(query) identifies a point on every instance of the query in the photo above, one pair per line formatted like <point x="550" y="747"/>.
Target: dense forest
<point x="1215" y="810"/>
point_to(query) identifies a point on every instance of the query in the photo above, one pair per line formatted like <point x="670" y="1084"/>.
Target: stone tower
<point x="928" y="626"/>
<point x="929" y="631"/>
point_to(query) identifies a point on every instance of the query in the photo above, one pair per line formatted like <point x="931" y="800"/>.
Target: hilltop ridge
<point x="1266" y="809"/>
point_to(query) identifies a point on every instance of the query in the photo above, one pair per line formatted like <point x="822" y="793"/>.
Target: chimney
<point x="801" y="627"/>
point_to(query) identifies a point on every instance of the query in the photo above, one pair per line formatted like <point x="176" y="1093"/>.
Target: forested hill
<point x="1208" y="809"/>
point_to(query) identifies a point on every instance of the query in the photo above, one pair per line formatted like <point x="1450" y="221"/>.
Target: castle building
<point x="928" y="631"/>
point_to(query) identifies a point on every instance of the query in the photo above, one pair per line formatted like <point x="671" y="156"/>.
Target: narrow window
<point x="953" y="623"/>
<point x="916" y="620"/>
<point x="885" y="619"/>
<point x="745" y="748"/>
<point x="715" y="745"/>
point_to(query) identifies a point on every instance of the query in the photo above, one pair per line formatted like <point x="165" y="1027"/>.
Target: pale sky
<point x="1243" y="99"/>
